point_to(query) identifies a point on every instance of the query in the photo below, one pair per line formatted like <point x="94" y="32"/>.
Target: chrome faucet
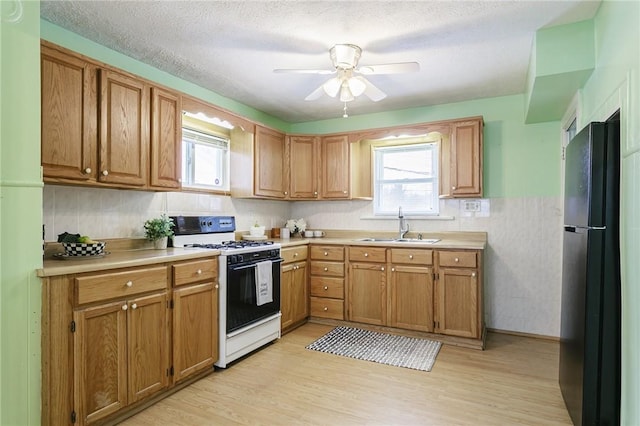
<point x="403" y="227"/>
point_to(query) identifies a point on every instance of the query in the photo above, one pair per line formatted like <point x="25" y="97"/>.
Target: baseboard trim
<point x="522" y="334"/>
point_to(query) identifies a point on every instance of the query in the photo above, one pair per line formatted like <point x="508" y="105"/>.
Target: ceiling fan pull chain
<point x="345" y="115"/>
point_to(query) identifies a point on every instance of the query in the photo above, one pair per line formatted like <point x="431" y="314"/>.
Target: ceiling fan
<point x="349" y="81"/>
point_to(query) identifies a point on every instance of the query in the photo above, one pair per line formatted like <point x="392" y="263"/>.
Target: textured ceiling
<point x="466" y="49"/>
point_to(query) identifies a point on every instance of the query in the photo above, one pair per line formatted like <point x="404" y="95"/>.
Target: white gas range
<point x="249" y="279"/>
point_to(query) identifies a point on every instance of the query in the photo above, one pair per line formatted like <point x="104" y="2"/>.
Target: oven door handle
<point x="252" y="265"/>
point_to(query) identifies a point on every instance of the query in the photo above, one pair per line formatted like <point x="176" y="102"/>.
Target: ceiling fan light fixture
<point x="356" y="86"/>
<point x="332" y="86"/>
<point x="345" y="94"/>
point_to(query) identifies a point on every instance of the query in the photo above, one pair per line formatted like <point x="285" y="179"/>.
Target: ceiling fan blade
<point x="315" y="94"/>
<point x="372" y="91"/>
<point x="303" y="71"/>
<point x="400" y="67"/>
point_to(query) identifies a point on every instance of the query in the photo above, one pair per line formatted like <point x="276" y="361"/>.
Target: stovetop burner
<point x="230" y="245"/>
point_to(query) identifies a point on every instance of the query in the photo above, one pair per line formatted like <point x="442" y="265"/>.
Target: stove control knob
<point x="233" y="259"/>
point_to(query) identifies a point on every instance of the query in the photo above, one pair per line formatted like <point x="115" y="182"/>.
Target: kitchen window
<point x="407" y="176"/>
<point x="205" y="160"/>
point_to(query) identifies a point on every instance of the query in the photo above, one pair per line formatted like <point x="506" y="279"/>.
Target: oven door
<point x="242" y="307"/>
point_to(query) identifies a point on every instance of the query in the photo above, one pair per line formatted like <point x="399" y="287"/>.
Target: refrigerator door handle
<point x="582" y="229"/>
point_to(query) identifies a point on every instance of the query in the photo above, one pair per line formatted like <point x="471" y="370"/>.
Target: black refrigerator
<point x="589" y="373"/>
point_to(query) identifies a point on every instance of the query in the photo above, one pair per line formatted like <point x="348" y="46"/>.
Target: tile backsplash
<point x="522" y="260"/>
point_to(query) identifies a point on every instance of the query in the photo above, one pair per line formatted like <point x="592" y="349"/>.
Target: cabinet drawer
<point x="327" y="252"/>
<point x="327" y="308"/>
<point x="367" y="254"/>
<point x="327" y="287"/>
<point x="461" y="259"/>
<point x="198" y="270"/>
<point x="294" y="254"/>
<point x="412" y="256"/>
<point x="113" y="285"/>
<point x="331" y="269"/>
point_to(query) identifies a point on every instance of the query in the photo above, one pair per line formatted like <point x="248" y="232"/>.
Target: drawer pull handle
<point x="105" y="173"/>
<point x="134" y="306"/>
<point x="326" y="309"/>
<point x="411" y="256"/>
<point x="125" y="307"/>
<point x="87" y="170"/>
<point x="199" y="272"/>
<point x="456" y="260"/>
<point x="393" y="269"/>
<point x="326" y="269"/>
<point x="366" y="255"/>
<point x="217" y="286"/>
<point x="129" y="284"/>
<point x="326" y="287"/>
<point x="326" y="253"/>
<point x="473" y="274"/>
<point x="295" y="254"/>
<point x="382" y="269"/>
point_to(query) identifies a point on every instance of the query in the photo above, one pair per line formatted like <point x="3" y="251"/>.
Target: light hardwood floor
<point x="513" y="381"/>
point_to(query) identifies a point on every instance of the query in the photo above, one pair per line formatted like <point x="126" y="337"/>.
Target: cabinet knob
<point x="473" y="274"/>
<point x="315" y="193"/>
<point x="134" y="306"/>
<point x="326" y="253"/>
<point x="286" y="193"/>
<point x="87" y="170"/>
<point x="217" y="286"/>
<point x="411" y="256"/>
<point x="326" y="269"/>
<point x="326" y="287"/>
<point x="366" y="255"/>
<point x="179" y="180"/>
<point x="456" y="260"/>
<point x="382" y="269"/>
<point x="295" y="254"/>
<point x="129" y="284"/>
<point x="344" y="192"/>
<point x="199" y="272"/>
<point x="326" y="309"/>
<point x="393" y="269"/>
<point x="105" y="173"/>
<point x="125" y="307"/>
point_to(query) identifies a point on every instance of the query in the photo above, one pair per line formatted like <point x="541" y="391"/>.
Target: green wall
<point x="615" y="83"/>
<point x="20" y="215"/>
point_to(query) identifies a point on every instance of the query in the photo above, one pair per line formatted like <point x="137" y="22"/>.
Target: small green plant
<point x="157" y="228"/>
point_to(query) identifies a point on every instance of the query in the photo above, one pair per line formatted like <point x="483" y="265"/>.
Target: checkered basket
<point x="84" y="249"/>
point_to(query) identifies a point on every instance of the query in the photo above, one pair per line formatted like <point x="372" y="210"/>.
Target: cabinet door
<point x="458" y="301"/>
<point x="367" y="293"/>
<point x="69" y="116"/>
<point x="303" y="167"/>
<point x="195" y="328"/>
<point x="300" y="299"/>
<point x="148" y="345"/>
<point x="466" y="159"/>
<point x="100" y="362"/>
<point x="166" y="144"/>
<point x="124" y="129"/>
<point x="411" y="298"/>
<point x="286" y="289"/>
<point x="335" y="166"/>
<point x="269" y="164"/>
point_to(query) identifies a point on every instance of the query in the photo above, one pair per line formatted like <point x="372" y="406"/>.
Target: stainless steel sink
<point x="400" y="240"/>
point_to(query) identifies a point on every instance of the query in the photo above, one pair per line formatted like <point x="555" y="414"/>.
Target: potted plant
<point x="159" y="230"/>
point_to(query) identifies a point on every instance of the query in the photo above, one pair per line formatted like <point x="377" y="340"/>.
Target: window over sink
<point x="406" y="174"/>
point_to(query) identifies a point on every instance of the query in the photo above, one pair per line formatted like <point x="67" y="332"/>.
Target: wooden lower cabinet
<point x="114" y="339"/>
<point x="411" y="297"/>
<point x="367" y="293"/>
<point x="327" y="272"/>
<point x="459" y="294"/>
<point x="294" y="300"/>
<point x="121" y="353"/>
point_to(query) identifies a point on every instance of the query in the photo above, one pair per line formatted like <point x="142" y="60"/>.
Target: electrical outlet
<point x="470" y="206"/>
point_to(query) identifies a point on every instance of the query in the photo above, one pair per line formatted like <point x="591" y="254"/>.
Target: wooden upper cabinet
<point x="69" y="116"/>
<point x="335" y="170"/>
<point x="303" y="166"/>
<point x="270" y="177"/>
<point x="462" y="158"/>
<point x="124" y="129"/>
<point x="166" y="131"/>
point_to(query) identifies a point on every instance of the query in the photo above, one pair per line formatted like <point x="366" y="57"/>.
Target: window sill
<point x="395" y="218"/>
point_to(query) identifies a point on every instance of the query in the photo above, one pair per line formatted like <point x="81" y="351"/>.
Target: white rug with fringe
<point x="390" y="349"/>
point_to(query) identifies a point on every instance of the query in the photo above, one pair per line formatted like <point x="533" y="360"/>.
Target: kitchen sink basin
<point x="400" y="240"/>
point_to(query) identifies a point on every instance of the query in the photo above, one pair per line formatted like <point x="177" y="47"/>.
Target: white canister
<point x="308" y="234"/>
<point x="318" y="233"/>
<point x="284" y="233"/>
